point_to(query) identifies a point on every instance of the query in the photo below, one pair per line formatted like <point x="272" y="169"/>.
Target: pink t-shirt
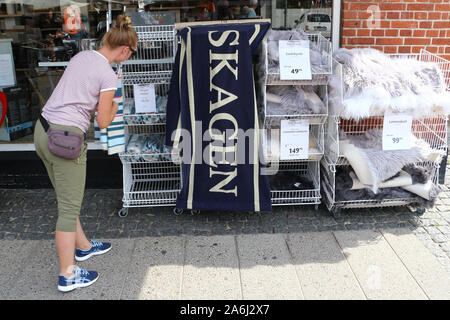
<point x="78" y="91"/>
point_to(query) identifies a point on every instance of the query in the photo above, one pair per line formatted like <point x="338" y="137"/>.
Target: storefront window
<point x="39" y="37"/>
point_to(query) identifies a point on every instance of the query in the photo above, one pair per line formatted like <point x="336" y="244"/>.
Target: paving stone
<point x="439" y="238"/>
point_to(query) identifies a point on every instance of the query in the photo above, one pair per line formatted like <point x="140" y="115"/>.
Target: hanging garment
<point x="112" y="138"/>
<point x="212" y="93"/>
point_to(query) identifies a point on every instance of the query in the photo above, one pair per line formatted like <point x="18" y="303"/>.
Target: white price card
<point x="6" y="71"/>
<point x="294" y="60"/>
<point x="144" y="98"/>
<point x="294" y="140"/>
<point x="397" y="132"/>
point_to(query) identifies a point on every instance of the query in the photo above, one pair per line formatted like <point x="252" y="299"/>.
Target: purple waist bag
<point x="63" y="143"/>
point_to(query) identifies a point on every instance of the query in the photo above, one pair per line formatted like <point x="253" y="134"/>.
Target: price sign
<point x="397" y="132"/>
<point x="294" y="140"/>
<point x="294" y="60"/>
<point x="144" y="98"/>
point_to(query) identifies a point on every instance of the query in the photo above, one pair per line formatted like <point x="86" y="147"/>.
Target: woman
<point x="88" y="84"/>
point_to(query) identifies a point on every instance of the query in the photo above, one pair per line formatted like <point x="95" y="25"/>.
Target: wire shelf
<point x="319" y="77"/>
<point x="307" y="170"/>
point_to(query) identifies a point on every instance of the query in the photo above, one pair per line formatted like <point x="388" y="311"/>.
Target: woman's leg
<point x="81" y="241"/>
<point x="65" y="244"/>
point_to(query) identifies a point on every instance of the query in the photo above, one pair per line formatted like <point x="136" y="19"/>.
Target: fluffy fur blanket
<point x="293" y="100"/>
<point x="374" y="83"/>
<point x="317" y="59"/>
<point x="344" y="183"/>
<point x="382" y="164"/>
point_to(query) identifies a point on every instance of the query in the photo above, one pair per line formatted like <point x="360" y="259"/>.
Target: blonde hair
<point x="121" y="33"/>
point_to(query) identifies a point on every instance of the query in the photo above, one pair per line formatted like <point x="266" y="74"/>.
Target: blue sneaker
<point x="96" y="249"/>
<point x="81" y="278"/>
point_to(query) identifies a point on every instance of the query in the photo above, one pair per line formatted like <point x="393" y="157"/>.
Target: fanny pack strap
<point x="46" y="126"/>
<point x="44" y="122"/>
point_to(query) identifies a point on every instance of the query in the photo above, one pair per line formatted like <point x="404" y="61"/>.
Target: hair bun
<point x="123" y="21"/>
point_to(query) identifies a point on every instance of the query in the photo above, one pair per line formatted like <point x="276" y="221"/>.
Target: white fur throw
<point x="317" y="59"/>
<point x="374" y="83"/>
<point x="376" y="165"/>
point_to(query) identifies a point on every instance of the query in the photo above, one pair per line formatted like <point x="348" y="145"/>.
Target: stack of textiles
<point x="318" y="59"/>
<point x="147" y="147"/>
<point x="380" y="174"/>
<point x="146" y="118"/>
<point x="287" y="180"/>
<point x="293" y="100"/>
<point x="372" y="84"/>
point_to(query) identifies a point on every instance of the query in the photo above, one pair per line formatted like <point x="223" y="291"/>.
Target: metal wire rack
<point x="319" y="77"/>
<point x="432" y="130"/>
<point x="308" y="170"/>
<point x="149" y="179"/>
<point x="271" y="144"/>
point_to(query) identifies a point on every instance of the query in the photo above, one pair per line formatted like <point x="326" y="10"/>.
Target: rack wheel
<point x="336" y="212"/>
<point x="123" y="213"/>
<point x="420" y="211"/>
<point x="177" y="211"/>
<point x="316" y="207"/>
<point x="195" y="212"/>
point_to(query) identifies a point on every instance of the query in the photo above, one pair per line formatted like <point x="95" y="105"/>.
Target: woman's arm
<point x="106" y="109"/>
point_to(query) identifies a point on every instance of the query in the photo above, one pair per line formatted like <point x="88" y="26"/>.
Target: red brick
<point x="432" y="49"/>
<point x="441" y="24"/>
<point x="389" y="41"/>
<point x="420" y="15"/>
<point x="417" y="41"/>
<point x="432" y="33"/>
<point x="405" y="15"/>
<point x="361" y="41"/>
<point x="364" y="15"/>
<point x="352" y="24"/>
<point x="442" y="7"/>
<point x="434" y="15"/>
<point x="390" y="49"/>
<point x="419" y="33"/>
<point x="404" y="49"/>
<point x="421" y="7"/>
<point x="442" y="33"/>
<point x="392" y="6"/>
<point x="441" y="41"/>
<point x="350" y="15"/>
<point x="405" y="33"/>
<point x="377" y="33"/>
<point x="363" y="32"/>
<point x="378" y="23"/>
<point x="426" y="24"/>
<point x="360" y="6"/>
<point x="416" y="49"/>
<point x="391" y="33"/>
<point x="392" y="15"/>
<point x="349" y="32"/>
<point x="404" y="24"/>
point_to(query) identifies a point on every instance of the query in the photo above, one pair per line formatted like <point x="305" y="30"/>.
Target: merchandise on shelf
<point x="372" y="83"/>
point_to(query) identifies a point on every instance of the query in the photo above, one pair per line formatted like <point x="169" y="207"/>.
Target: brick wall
<point x="397" y="26"/>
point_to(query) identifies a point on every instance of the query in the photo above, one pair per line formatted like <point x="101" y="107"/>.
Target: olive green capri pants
<point x="68" y="177"/>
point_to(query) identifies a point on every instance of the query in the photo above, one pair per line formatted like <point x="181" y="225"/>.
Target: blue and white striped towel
<point x="112" y="138"/>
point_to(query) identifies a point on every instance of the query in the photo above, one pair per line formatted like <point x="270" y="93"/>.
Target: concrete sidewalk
<point x="351" y="264"/>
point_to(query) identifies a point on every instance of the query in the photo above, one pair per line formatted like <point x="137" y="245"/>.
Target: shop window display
<point x="45" y="34"/>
